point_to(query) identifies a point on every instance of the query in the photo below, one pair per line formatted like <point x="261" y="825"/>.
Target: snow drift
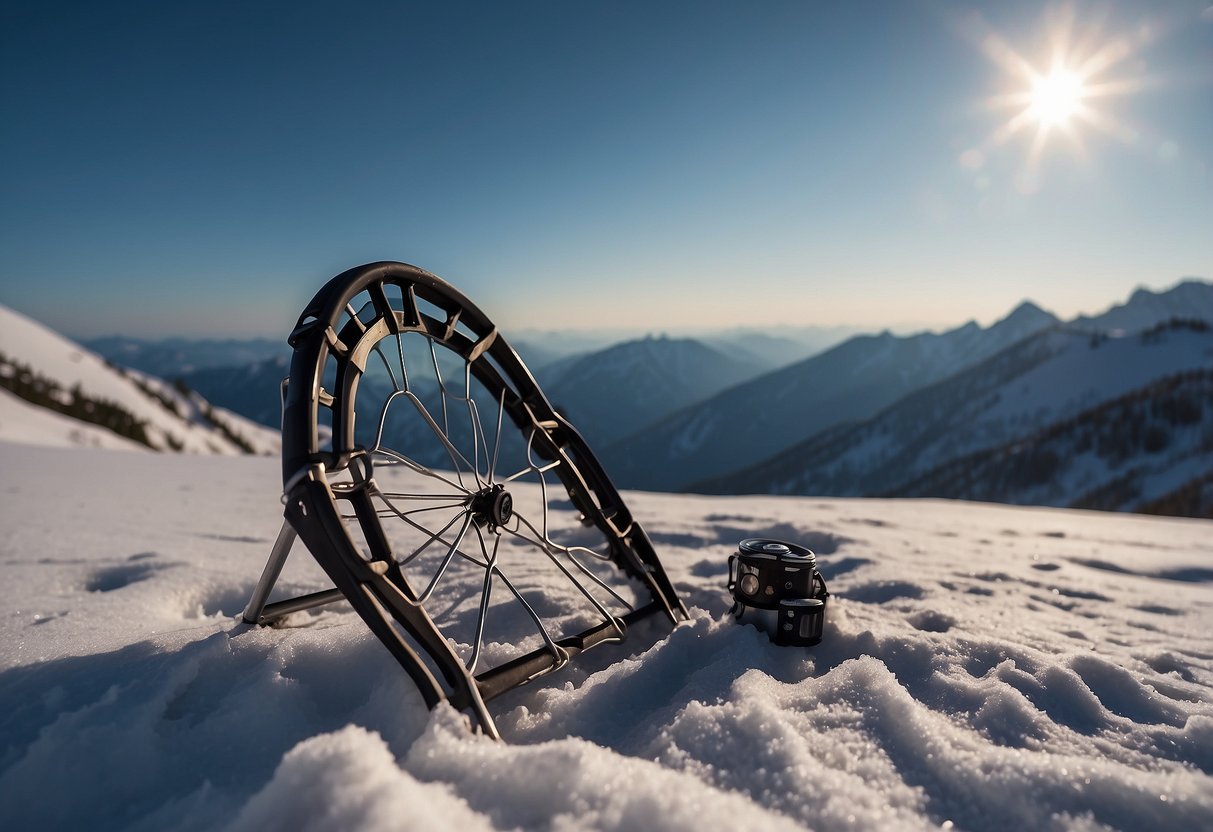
<point x="985" y="667"/>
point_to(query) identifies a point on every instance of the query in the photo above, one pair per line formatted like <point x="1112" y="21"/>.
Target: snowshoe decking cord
<point x="420" y="462"/>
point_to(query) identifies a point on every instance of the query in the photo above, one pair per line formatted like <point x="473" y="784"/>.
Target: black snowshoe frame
<point x="329" y="482"/>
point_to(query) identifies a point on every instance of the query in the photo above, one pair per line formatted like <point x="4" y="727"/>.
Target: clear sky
<point x="200" y="168"/>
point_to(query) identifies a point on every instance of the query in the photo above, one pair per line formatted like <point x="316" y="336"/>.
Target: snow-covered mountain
<point x="612" y="392"/>
<point x="1191" y="299"/>
<point x="31" y="424"/>
<point x="1010" y="401"/>
<point x="66" y="381"/>
<point x="774" y="411"/>
<point x="1150" y="451"/>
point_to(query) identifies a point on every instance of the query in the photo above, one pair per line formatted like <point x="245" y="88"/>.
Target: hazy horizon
<point x="202" y="170"/>
<point x="608" y="334"/>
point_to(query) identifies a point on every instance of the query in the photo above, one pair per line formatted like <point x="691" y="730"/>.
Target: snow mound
<point x="984" y="667"/>
<point x="349" y="780"/>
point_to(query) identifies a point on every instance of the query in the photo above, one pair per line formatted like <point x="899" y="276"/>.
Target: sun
<point x="1063" y="90"/>
<point x="1056" y="98"/>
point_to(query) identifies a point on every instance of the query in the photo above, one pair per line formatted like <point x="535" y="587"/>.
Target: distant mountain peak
<point x="1027" y="307"/>
<point x="1193" y="280"/>
<point x="1027" y="312"/>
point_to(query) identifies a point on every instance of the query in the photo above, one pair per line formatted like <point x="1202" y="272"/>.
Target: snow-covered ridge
<point x="1190" y="299"/>
<point x="30" y="424"/>
<point x="146" y="409"/>
<point x="1148" y="450"/>
<point x="1011" y="398"/>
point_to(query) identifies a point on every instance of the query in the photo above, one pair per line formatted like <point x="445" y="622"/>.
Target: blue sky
<point x="201" y="168"/>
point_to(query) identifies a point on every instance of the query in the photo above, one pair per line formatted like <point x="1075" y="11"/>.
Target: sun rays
<point x="1062" y="91"/>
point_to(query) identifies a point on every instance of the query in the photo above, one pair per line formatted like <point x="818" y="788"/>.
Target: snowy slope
<point x="1143" y="451"/>
<point x="171" y="420"/>
<point x="765" y="415"/>
<point x="985" y="668"/>
<point x="29" y="424"/>
<point x="1041" y="381"/>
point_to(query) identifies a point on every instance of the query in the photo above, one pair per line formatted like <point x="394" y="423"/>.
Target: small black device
<point x="781" y="581"/>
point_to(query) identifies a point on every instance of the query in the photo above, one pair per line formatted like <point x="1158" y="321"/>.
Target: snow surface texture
<point x="985" y="667"/>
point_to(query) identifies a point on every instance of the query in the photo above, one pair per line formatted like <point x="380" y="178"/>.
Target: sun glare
<point x="1056" y="97"/>
<point x="1069" y="98"/>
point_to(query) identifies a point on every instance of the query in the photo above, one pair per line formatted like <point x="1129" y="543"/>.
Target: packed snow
<point x="984" y="667"/>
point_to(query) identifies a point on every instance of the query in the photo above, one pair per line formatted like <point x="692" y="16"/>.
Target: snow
<point x="1075" y="376"/>
<point x="984" y="667"/>
<point x="23" y="422"/>
<point x="67" y="363"/>
<point x="1078" y="375"/>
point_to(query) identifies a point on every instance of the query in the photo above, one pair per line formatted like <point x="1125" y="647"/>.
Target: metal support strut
<point x="258" y="611"/>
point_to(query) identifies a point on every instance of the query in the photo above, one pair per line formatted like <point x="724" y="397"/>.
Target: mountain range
<point x="853" y="380"/>
<point x="1190" y="299"/>
<point x="997" y="428"/>
<point x="174" y="357"/>
<point x="1009" y="412"/>
<point x="656" y="376"/>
